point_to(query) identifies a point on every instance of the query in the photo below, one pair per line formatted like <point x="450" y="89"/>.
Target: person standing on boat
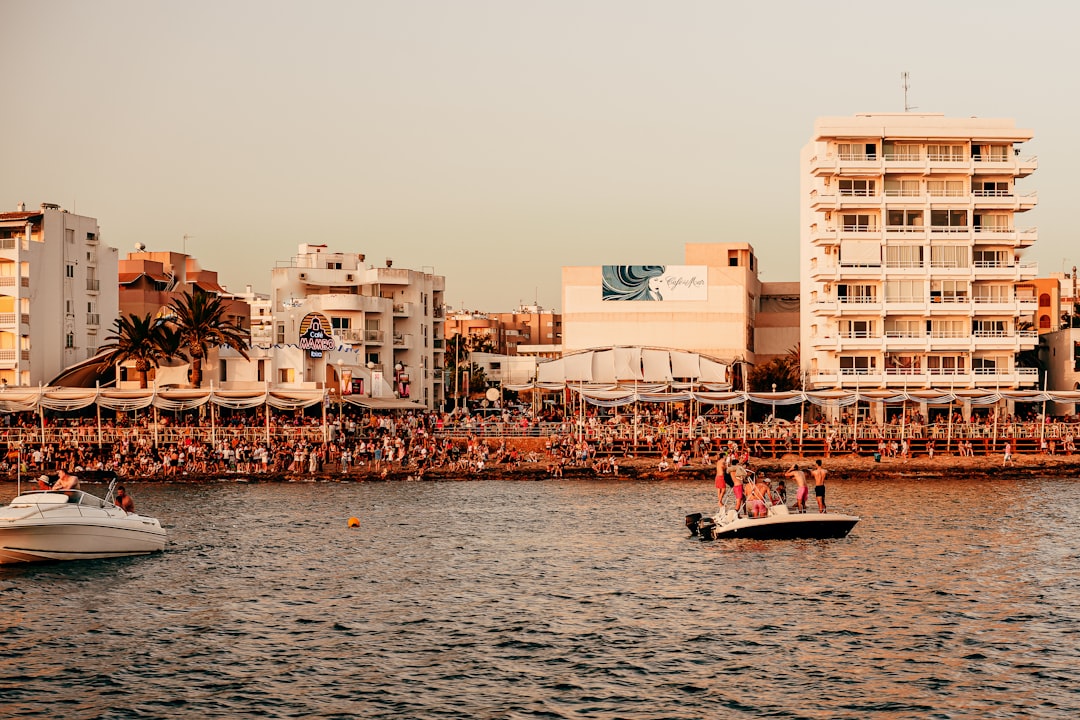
<point x="123" y="500"/>
<point x="723" y="480"/>
<point x="818" y="473"/>
<point x="803" y="492"/>
<point x="738" y="477"/>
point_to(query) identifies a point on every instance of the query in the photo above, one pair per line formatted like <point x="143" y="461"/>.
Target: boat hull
<point x="92" y="541"/>
<point x="49" y="526"/>
<point x="776" y="526"/>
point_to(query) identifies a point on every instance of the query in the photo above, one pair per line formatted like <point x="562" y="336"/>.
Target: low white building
<point x="706" y="305"/>
<point x="58" y="292"/>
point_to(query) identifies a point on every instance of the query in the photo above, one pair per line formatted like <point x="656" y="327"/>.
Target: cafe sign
<point x="315" y="335"/>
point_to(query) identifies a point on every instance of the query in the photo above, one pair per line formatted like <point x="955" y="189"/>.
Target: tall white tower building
<point x="912" y="272"/>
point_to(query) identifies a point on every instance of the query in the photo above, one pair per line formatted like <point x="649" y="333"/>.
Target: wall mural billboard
<point x="655" y="282"/>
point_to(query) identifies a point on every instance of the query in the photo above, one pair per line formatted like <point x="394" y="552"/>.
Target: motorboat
<point x="778" y="524"/>
<point x="47" y="525"/>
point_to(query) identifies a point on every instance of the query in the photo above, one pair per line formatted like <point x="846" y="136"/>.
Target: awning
<point x="375" y="403"/>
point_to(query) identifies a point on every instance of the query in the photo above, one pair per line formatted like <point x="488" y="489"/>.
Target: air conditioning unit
<point x="303" y="276"/>
<point x="349" y="278"/>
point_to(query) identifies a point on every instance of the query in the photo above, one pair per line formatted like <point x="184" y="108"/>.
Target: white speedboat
<point x="778" y="524"/>
<point x="44" y="525"/>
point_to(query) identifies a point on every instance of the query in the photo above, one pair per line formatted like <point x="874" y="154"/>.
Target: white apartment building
<point x="58" y="292"/>
<point x="385" y="333"/>
<point x="912" y="273"/>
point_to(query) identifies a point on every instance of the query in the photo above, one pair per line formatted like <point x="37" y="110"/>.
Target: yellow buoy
<point x="354" y="522"/>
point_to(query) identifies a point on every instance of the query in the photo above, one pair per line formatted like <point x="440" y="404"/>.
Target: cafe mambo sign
<point x="315" y="334"/>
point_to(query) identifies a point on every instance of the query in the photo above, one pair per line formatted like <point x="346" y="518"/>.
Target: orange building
<point x="150" y="280"/>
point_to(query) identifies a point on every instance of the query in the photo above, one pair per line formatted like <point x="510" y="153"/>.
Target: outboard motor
<point x="707" y="529"/>
<point x="692" y="522"/>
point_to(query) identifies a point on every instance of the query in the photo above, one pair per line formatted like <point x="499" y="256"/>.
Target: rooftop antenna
<point x="186" y="236"/>
<point x="904" y="77"/>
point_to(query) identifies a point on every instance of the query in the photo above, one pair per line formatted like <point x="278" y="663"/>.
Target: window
<point x="945" y="188"/>
<point x="69" y="270"/>
<point x="857" y="365"/>
<point x="987" y="222"/>
<point x="993" y="293"/>
<point x="857" y="151"/>
<point x="340" y="323"/>
<point x="949" y="256"/>
<point x="904" y="291"/>
<point x="904" y="256"/>
<point x="990" y="188"/>
<point x="990" y="153"/>
<point x="988" y="365"/>
<point x="903" y="153"/>
<point x="1044" y="300"/>
<point x="945" y="153"/>
<point x="899" y="187"/>
<point x="69" y="235"/>
<point x="946" y="364"/>
<point x="859" y="223"/>
<point x="856" y="293"/>
<point x="857" y="188"/>
<point x="903" y="328"/>
<point x="949" y="220"/>
<point x="989" y="328"/>
<point x="949" y="291"/>
<point x="69" y="340"/>
<point x="903" y="219"/>
<point x="286" y="375"/>
<point x="947" y="328"/>
<point x="857" y="329"/>
<point x="279" y="333"/>
<point x="990" y="258"/>
<point x="224" y="370"/>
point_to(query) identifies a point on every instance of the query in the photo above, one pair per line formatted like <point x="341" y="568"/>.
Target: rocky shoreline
<point x="847" y="467"/>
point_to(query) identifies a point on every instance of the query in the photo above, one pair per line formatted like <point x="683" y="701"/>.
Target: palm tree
<point x="146" y="340"/>
<point x="199" y="320"/>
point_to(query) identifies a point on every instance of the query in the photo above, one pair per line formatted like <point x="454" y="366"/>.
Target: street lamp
<point x="340" y="386"/>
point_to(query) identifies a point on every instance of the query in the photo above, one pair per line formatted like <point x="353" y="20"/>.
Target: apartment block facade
<point x="385" y="333"/>
<point x="58" y="292"/>
<point x="912" y="253"/>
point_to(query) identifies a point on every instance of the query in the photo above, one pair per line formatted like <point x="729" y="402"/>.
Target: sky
<point x="495" y="141"/>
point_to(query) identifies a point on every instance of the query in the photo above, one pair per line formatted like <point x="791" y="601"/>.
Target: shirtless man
<point x="66" y="482"/>
<point x="803" y="491"/>
<point x="723" y="480"/>
<point x="818" y="473"/>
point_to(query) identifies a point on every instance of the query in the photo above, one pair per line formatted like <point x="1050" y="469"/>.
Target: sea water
<point x="558" y="599"/>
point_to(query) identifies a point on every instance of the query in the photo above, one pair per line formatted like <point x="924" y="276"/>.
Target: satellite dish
<point x="139" y="247"/>
<point x="492" y="394"/>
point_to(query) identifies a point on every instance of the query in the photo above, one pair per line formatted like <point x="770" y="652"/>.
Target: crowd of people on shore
<point x="296" y="443"/>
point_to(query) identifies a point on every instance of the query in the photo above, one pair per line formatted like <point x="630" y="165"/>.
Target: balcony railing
<point x="93" y="319"/>
<point x="93" y="285"/>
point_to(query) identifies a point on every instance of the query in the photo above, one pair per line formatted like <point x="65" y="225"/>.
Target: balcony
<point x="1004" y="200"/>
<point x="402" y="341"/>
<point x="855" y="378"/>
<point x="1011" y="237"/>
<point x="374" y="337"/>
<point x="1004" y="165"/>
<point x="12" y="281"/>
<point x="402" y="309"/>
<point x="93" y="285"/>
<point x="93" y="319"/>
